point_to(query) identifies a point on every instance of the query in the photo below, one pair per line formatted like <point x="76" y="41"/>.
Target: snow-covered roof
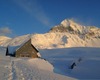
<point x="12" y="49"/>
<point x="20" y="40"/>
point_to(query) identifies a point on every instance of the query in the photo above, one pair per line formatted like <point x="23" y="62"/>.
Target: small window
<point x="21" y="55"/>
<point x="28" y="56"/>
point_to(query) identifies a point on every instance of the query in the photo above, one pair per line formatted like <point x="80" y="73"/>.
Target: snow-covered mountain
<point x="67" y="34"/>
<point x="4" y="40"/>
<point x="71" y="26"/>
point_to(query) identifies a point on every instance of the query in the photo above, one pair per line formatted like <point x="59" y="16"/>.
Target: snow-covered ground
<point x="27" y="69"/>
<point x="87" y="61"/>
<point x="55" y="64"/>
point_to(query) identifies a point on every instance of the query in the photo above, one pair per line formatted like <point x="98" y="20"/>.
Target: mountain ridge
<point x="67" y="34"/>
<point x="69" y="25"/>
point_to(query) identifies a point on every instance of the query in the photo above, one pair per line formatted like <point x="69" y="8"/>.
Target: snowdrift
<point x="87" y="62"/>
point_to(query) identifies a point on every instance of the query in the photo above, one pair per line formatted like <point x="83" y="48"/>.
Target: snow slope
<point x="27" y="69"/>
<point x="87" y="61"/>
<point x="56" y="67"/>
<point x="4" y="40"/>
<point x="63" y="40"/>
<point x="55" y="40"/>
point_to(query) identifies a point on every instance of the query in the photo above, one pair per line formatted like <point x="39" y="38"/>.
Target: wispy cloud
<point x="83" y="21"/>
<point x="5" y="31"/>
<point x="34" y="8"/>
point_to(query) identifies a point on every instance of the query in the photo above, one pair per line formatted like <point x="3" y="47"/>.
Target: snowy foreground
<point x="27" y="69"/>
<point x="55" y="65"/>
<point x="87" y="62"/>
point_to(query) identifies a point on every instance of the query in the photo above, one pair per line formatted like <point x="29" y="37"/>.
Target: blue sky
<point x="19" y="17"/>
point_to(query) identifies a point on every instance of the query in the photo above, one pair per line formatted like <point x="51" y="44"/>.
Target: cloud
<point x="5" y="31"/>
<point x="34" y="8"/>
<point x="83" y="21"/>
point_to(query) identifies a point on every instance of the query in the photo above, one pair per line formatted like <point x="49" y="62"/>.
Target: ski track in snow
<point x="15" y="72"/>
<point x="87" y="62"/>
<point x="27" y="69"/>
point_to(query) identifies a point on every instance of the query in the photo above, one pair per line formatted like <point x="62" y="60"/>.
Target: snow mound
<point x="41" y="64"/>
<point x="79" y="63"/>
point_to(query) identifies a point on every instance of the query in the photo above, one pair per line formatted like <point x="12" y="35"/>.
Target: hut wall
<point x="27" y="50"/>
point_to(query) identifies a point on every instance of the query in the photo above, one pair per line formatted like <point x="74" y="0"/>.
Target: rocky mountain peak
<point x="69" y="25"/>
<point x="68" y="22"/>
